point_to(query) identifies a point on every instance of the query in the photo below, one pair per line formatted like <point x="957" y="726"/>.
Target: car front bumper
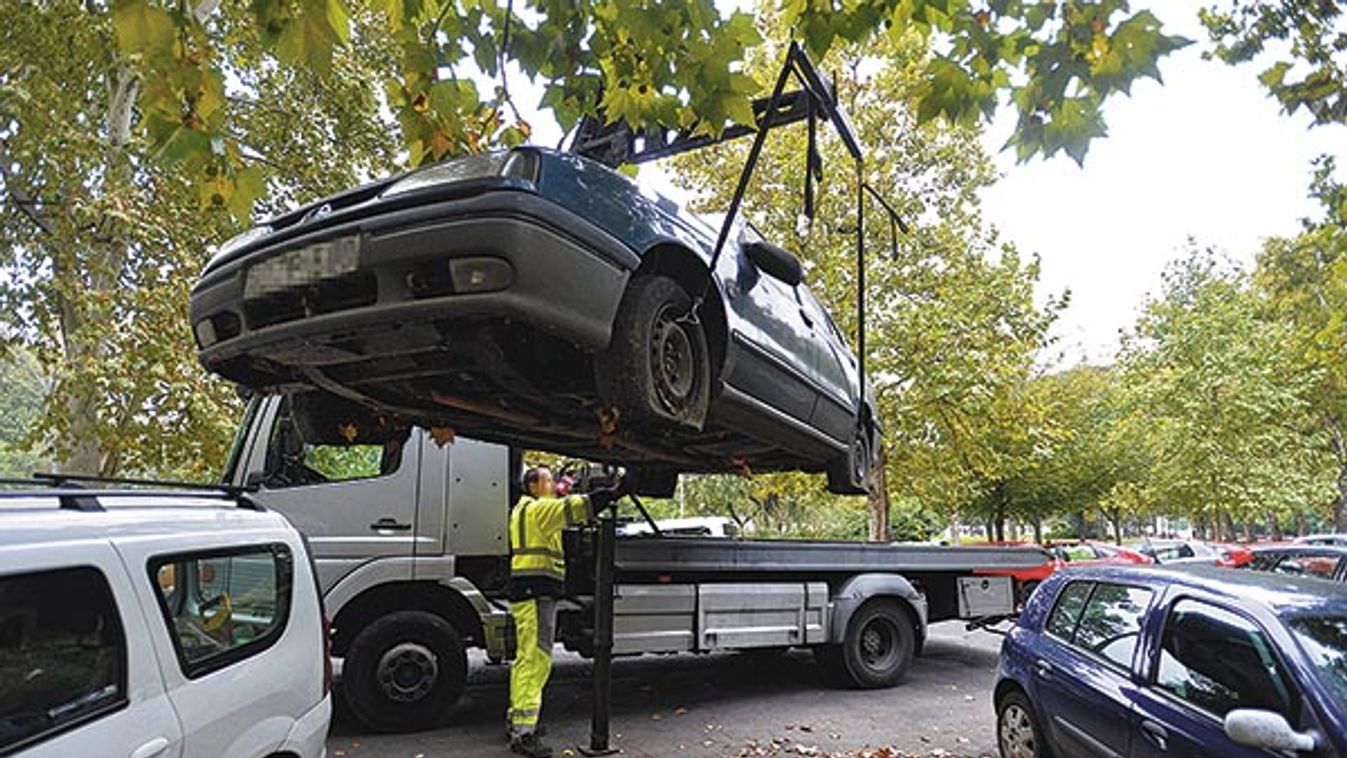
<point x="566" y="278"/>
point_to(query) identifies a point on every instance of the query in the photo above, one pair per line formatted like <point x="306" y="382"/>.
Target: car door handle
<point x="1043" y="669"/>
<point x="1157" y="734"/>
<point x="809" y="322"/>
<point x="150" y="749"/>
<point x="387" y="524"/>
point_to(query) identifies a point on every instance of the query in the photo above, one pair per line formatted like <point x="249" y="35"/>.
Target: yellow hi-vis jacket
<point x="535" y="534"/>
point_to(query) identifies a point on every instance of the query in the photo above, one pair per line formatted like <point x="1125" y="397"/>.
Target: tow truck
<point x="409" y="536"/>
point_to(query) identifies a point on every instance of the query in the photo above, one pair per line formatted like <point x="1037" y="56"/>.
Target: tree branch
<point x="21" y="198"/>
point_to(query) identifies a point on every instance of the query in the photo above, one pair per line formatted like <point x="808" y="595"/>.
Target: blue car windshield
<point x="1324" y="640"/>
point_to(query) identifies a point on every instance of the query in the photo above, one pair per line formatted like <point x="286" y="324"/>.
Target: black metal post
<point x="605" y="539"/>
<point x="860" y="277"/>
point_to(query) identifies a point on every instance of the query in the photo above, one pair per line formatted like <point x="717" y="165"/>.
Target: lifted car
<point x="541" y="299"/>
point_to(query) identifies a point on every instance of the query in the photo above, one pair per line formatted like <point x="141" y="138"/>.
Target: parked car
<point x="157" y="627"/>
<point x="538" y="298"/>
<point x="1323" y="561"/>
<point x="1064" y="554"/>
<point x="1198" y="662"/>
<point x="1192" y="551"/>
<point x="1323" y="539"/>
<point x="1088" y="553"/>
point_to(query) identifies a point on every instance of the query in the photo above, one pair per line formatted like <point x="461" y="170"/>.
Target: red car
<point x="1082" y="553"/>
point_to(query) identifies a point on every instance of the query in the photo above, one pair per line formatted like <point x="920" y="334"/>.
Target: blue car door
<point x="1208" y="659"/>
<point x="1084" y="674"/>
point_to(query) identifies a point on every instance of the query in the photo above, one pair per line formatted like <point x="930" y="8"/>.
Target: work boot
<point x="530" y="745"/>
<point x="539" y="730"/>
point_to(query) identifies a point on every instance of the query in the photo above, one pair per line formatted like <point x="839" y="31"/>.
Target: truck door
<point x="355" y="501"/>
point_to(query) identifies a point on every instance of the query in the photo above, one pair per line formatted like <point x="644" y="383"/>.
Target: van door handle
<point x="1157" y="734"/>
<point x="388" y="524"/>
<point x="150" y="749"/>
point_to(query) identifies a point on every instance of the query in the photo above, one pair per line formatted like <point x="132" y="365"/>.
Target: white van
<point x="157" y="625"/>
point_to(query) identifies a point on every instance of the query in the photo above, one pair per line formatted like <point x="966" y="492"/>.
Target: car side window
<point x="1111" y="622"/>
<point x="223" y="606"/>
<point x="293" y="461"/>
<point x="1322" y="566"/>
<point x="1217" y="660"/>
<point x="62" y="653"/>
<point x="1066" y="613"/>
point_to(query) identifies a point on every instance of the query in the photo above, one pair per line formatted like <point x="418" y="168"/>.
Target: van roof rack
<point x="72" y="492"/>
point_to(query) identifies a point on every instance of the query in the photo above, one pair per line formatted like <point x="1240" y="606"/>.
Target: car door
<point x="235" y="622"/>
<point x="1084" y="675"/>
<point x="1207" y="659"/>
<point x="775" y="341"/>
<point x="80" y="677"/>
<point x="355" y="502"/>
<point x="834" y="369"/>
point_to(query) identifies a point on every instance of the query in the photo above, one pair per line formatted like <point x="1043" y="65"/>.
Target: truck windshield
<point x="1324" y="640"/>
<point x="236" y="447"/>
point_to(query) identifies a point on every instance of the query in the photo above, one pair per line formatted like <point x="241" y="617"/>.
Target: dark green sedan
<point x="540" y="299"/>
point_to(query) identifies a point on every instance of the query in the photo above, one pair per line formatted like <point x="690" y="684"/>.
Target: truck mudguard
<point x="862" y="587"/>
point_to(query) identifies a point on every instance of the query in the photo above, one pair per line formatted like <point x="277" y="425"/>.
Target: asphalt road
<point x="722" y="706"/>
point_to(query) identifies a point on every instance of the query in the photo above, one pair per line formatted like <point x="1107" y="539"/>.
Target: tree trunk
<point x="1339" y="439"/>
<point x="1274" y="526"/>
<point x="954" y="527"/>
<point x="1225" y="530"/>
<point x="878" y="499"/>
<point x="1038" y="530"/>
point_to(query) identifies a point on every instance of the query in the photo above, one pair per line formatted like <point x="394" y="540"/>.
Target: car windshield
<point x="1324" y="640"/>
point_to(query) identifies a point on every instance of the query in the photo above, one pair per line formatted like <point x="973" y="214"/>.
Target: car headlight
<point x="520" y="164"/>
<point x="238" y="242"/>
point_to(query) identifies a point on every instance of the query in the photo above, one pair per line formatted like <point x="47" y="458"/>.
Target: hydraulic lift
<point x="617" y="144"/>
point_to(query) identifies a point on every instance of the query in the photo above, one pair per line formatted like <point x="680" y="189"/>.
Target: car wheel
<point x="879" y="645"/>
<point x="1017" y="732"/>
<point x="657" y="365"/>
<point x="404" y="671"/>
<point x="850" y="474"/>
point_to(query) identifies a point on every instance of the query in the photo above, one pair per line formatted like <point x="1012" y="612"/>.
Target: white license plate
<point x="308" y="265"/>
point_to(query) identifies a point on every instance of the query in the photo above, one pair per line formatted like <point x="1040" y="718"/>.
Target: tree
<point x="1223" y="400"/>
<point x="952" y="327"/>
<point x="105" y="220"/>
<point x="1309" y="44"/>
<point x="1304" y="280"/>
<point x="22" y="388"/>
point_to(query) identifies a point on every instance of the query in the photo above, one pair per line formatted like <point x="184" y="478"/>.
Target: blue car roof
<point x="1280" y="594"/>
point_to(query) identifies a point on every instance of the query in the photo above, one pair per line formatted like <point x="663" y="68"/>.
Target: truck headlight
<point x="520" y="164"/>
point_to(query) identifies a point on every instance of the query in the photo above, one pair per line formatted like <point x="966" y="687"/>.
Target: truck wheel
<point x="658" y="364"/>
<point x="404" y="671"/>
<point x="878" y="647"/>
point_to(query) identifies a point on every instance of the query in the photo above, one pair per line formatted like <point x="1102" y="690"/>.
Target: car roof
<point x="30" y="522"/>
<point x="1279" y="594"/>
<point x="1301" y="548"/>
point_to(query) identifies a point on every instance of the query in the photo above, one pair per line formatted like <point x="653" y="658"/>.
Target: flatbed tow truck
<point x="412" y="553"/>
<point x="408" y="527"/>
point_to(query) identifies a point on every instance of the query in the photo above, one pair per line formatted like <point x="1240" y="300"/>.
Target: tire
<point x="404" y="671"/>
<point x="658" y="364"/>
<point x="1017" y="732"/>
<point x="878" y="647"/>
<point x="850" y="474"/>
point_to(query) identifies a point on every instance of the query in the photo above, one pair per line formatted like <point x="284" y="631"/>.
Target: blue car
<point x="1131" y="662"/>
<point x="541" y="299"/>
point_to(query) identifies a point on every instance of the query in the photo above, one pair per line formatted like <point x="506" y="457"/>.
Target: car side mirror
<point x="1257" y="728"/>
<point x="775" y="261"/>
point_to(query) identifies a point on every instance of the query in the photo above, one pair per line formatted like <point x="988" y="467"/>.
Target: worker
<point x="537" y="579"/>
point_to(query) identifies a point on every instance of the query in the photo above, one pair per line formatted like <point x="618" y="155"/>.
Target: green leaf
<point x="142" y="27"/>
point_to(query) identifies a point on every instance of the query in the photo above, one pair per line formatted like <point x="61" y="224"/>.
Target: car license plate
<point x="308" y="265"/>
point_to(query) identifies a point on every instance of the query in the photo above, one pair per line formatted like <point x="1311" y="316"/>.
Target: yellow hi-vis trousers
<point x="535" y="632"/>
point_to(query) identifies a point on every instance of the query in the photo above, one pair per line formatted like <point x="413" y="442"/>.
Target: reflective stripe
<point x="550" y="573"/>
<point x="547" y="551"/>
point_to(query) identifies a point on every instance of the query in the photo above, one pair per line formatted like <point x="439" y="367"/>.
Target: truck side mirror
<point x="775" y="261"/>
<point x="1257" y="728"/>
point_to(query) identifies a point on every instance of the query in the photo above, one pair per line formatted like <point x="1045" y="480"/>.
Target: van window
<point x="295" y="459"/>
<point x="223" y="606"/>
<point x="62" y="653"/>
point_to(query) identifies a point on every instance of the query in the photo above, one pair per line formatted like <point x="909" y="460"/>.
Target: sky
<point x="1206" y="156"/>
